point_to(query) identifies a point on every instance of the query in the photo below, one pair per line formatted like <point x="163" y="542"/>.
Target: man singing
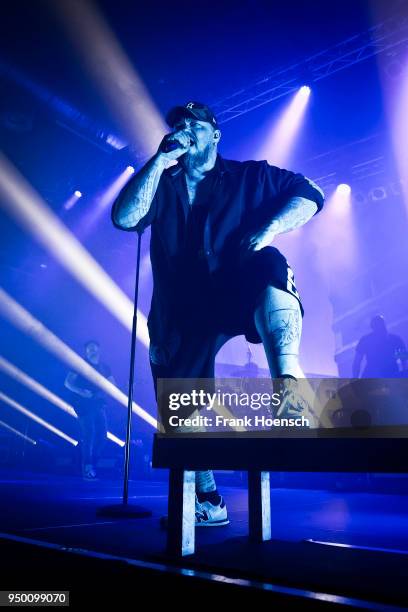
<point x="215" y="277"/>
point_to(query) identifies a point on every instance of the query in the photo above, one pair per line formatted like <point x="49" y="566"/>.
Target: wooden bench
<point x="378" y="451"/>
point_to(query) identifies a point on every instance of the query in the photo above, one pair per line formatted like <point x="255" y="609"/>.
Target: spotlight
<point x="130" y="169"/>
<point x="378" y="193"/>
<point x="72" y="200"/>
<point x="359" y="197"/>
<point x="305" y="90"/>
<point x="394" y="69"/>
<point x="343" y="189"/>
<point x="396" y="188"/>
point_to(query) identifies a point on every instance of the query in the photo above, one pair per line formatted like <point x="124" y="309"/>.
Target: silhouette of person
<point x="89" y="404"/>
<point x="380" y="350"/>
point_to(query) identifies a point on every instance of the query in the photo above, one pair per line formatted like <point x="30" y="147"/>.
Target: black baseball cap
<point x="195" y="110"/>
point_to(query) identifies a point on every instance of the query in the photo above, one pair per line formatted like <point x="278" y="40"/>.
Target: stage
<point x="372" y="528"/>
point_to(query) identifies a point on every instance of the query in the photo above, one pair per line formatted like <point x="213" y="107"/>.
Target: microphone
<point x="172" y="145"/>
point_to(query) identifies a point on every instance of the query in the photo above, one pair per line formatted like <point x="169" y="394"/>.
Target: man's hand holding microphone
<point x="135" y="199"/>
<point x="174" y="145"/>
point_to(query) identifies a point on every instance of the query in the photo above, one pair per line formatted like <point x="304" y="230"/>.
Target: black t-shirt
<point x="243" y="197"/>
<point x="86" y="384"/>
<point x="193" y="280"/>
<point x="380" y="353"/>
<point x="194" y="243"/>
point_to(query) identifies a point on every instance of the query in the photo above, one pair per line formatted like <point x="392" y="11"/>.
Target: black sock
<point x="212" y="496"/>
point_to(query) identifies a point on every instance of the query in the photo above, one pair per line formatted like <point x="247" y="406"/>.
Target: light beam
<point x="104" y="200"/>
<point x="23" y="320"/>
<point x="109" y="67"/>
<point x="32" y="384"/>
<point x="281" y="139"/>
<point x="34" y="417"/>
<point x="400" y="127"/>
<point x="24" y="204"/>
<point x="17" y="433"/>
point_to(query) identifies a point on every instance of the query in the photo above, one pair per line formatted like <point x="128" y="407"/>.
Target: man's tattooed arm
<point x="135" y="199"/>
<point x="296" y="212"/>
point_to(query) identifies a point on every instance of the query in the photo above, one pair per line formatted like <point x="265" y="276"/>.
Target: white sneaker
<point x="208" y="515"/>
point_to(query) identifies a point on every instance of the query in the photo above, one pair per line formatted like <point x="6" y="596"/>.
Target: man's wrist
<point x="161" y="161"/>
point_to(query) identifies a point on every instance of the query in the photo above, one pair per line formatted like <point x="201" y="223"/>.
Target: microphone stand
<point x="126" y="510"/>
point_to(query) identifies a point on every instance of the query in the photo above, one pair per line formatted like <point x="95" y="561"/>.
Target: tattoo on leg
<point x="288" y="329"/>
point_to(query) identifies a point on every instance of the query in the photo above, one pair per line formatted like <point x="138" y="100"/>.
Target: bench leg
<point x="259" y="506"/>
<point x="181" y="513"/>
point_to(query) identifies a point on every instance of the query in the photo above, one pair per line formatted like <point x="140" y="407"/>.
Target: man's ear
<point x="217" y="135"/>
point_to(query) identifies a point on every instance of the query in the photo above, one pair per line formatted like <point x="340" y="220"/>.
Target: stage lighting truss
<point x="69" y="117"/>
<point x="390" y="34"/>
<point x="364" y="163"/>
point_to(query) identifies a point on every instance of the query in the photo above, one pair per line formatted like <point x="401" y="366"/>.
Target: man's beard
<point x="191" y="161"/>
